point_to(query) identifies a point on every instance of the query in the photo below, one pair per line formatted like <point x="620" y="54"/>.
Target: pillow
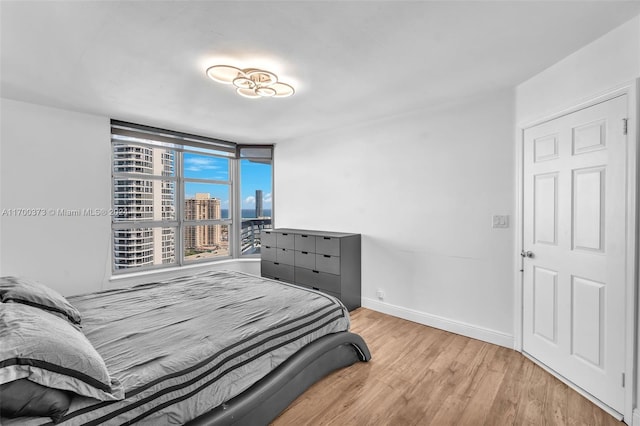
<point x="33" y="293"/>
<point x="23" y="398"/>
<point x="50" y="351"/>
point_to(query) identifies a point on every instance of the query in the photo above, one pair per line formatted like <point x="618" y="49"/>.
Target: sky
<point x="253" y="176"/>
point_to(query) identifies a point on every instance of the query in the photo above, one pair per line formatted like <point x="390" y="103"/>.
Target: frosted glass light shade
<point x="224" y="74"/>
<point x="248" y="93"/>
<point x="251" y="82"/>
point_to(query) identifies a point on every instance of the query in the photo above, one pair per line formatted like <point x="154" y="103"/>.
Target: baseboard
<point x="464" y="329"/>
<point x="636" y="417"/>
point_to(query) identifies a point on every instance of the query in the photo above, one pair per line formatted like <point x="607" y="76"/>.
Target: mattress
<point x="183" y="346"/>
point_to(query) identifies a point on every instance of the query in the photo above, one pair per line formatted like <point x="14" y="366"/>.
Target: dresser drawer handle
<point x="315" y="272"/>
<point x="276" y="263"/>
<point x="315" y="288"/>
<point x="326" y="238"/>
<point x="305" y="252"/>
<point x="304" y="236"/>
<point x="326" y="255"/>
<point x="285" y="234"/>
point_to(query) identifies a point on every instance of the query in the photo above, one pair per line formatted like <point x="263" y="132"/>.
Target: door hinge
<point x="625" y="126"/>
<point x="622" y="379"/>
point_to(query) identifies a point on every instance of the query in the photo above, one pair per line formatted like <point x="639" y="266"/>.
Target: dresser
<point x="325" y="261"/>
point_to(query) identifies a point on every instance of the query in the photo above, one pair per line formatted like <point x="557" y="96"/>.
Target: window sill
<point x="186" y="269"/>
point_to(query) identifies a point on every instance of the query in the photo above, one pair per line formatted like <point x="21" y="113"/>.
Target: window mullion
<point x="211" y="181"/>
<point x="236" y="210"/>
<point x="179" y="243"/>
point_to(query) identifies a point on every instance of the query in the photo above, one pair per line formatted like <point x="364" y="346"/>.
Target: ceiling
<point x="350" y="61"/>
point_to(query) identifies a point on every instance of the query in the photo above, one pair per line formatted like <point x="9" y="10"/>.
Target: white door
<point x="574" y="241"/>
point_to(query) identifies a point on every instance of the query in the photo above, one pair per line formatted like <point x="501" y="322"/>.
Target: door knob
<point x="526" y="253"/>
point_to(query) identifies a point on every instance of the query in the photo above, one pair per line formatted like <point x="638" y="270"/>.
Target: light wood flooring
<point x="420" y="375"/>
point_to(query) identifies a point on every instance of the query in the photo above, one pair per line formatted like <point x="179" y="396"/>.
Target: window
<point x="181" y="199"/>
<point x="255" y="193"/>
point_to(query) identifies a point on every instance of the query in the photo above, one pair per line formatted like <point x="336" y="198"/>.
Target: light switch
<point x="500" y="221"/>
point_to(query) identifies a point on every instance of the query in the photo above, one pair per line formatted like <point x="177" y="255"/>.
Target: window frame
<point x="203" y="222"/>
<point x="180" y="143"/>
<point x="239" y="158"/>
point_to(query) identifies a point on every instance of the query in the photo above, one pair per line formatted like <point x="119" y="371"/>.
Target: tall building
<point x="202" y="207"/>
<point x="259" y="212"/>
<point x="143" y="199"/>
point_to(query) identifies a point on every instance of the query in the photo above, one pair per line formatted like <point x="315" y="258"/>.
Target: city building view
<point x="259" y="212"/>
<point x="150" y="196"/>
<point x="204" y="240"/>
<point x="138" y="199"/>
<point x="252" y="226"/>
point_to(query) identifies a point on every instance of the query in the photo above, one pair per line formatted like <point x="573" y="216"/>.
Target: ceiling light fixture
<point x="251" y="82"/>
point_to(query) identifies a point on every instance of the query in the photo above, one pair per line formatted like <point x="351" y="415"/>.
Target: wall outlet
<point x="380" y="294"/>
<point x="500" y="221"/>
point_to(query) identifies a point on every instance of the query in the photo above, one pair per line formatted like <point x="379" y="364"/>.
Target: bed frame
<point x="267" y="398"/>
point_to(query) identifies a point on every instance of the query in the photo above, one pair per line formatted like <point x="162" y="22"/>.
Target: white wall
<point x="56" y="159"/>
<point x="608" y="63"/>
<point x="421" y="188"/>
<point x="611" y="60"/>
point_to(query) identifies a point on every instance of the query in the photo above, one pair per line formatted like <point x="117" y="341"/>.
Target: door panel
<point x="589" y="137"/>
<point x="545" y="148"/>
<point x="545" y="288"/>
<point x="588" y="209"/>
<point x="546" y="209"/>
<point x="574" y="225"/>
<point x="587" y="321"/>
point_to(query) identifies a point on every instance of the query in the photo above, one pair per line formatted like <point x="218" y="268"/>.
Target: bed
<point x="213" y="348"/>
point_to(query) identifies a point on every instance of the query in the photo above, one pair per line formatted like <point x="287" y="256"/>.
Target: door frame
<point x="630" y="89"/>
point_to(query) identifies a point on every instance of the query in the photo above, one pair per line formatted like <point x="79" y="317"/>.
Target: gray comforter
<point x="184" y="346"/>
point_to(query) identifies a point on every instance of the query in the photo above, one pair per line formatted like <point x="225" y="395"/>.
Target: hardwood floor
<point x="420" y="375"/>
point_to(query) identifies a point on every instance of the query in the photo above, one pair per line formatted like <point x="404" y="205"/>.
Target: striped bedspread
<point x="184" y="346"/>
